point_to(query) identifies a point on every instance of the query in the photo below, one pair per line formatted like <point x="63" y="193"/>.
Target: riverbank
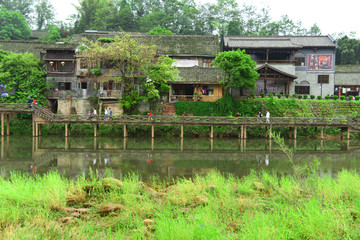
<point x="258" y="206"/>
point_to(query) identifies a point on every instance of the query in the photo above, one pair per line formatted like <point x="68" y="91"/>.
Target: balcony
<point x="110" y="94"/>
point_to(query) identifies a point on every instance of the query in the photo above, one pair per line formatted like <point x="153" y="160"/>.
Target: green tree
<point x="132" y="62"/>
<point x="13" y="25"/>
<point x="44" y="14"/>
<point x="239" y="70"/>
<point x="160" y="31"/>
<point x="24" y="73"/>
<point x="348" y="51"/>
<point x="23" y="6"/>
<point x="54" y="33"/>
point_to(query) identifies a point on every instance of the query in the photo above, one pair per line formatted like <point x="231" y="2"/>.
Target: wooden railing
<point x="181" y="120"/>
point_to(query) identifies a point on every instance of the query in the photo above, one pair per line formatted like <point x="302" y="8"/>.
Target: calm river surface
<point x="170" y="157"/>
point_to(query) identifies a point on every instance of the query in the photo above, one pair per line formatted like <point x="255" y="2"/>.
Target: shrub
<point x="300" y="96"/>
<point x="357" y="98"/>
<point x="262" y="94"/>
<point x="350" y="98"/>
<point x="327" y="97"/>
<point x="271" y="95"/>
<point x="319" y="97"/>
<point x="294" y="95"/>
<point x="287" y="95"/>
<point x="342" y="97"/>
<point x="252" y="94"/>
<point x="305" y="96"/>
<point x="279" y="95"/>
<point x="312" y="96"/>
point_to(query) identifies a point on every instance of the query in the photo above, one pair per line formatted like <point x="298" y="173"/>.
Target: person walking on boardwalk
<point x="29" y="102"/>
<point x="110" y="114"/>
<point x="267" y="117"/>
<point x="150" y="116"/>
<point x="259" y="116"/>
<point x="106" y="114"/>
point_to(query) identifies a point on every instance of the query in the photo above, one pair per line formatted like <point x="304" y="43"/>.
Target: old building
<point x="347" y="80"/>
<point x="290" y="64"/>
<point x="75" y="84"/>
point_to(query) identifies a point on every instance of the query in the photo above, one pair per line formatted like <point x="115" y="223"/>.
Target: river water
<point x="168" y="158"/>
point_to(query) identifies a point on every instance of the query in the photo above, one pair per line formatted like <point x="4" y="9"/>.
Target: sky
<point x="330" y="16"/>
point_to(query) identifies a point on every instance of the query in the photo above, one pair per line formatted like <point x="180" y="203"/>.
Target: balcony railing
<point x="110" y="94"/>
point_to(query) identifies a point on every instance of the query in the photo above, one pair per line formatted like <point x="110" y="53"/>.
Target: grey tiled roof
<point x="248" y="42"/>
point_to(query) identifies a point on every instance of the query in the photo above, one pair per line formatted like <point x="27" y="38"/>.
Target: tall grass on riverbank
<point x="259" y="206"/>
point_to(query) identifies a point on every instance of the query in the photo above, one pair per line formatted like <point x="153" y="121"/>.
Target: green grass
<point x="258" y="206"/>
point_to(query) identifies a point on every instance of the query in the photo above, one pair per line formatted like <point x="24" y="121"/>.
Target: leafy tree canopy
<point x="348" y="51"/>
<point x="13" y="25"/>
<point x="239" y="69"/>
<point x="160" y="31"/>
<point x="25" y="74"/>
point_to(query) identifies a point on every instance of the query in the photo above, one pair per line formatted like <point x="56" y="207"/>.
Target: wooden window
<point x="299" y="61"/>
<point x="64" y="86"/>
<point x="323" y="79"/>
<point x="302" y="89"/>
<point x="83" y="85"/>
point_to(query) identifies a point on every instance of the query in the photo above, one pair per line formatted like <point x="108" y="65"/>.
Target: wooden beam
<point x="152" y="131"/>
<point x="125" y="131"/>
<point x="182" y="131"/>
<point x="211" y="131"/>
<point x="8" y="124"/>
<point x="2" y="124"/>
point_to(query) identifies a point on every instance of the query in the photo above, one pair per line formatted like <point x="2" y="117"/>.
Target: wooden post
<point x="266" y="132"/>
<point x="211" y="145"/>
<point x="316" y="135"/>
<point x="39" y="129"/>
<point x="270" y="131"/>
<point x="182" y="131"/>
<point x="66" y="130"/>
<point x="239" y="132"/>
<point x="66" y="142"/>
<point x="152" y="144"/>
<point x="289" y="132"/>
<point x="2" y="124"/>
<point x="322" y="133"/>
<point x="294" y="145"/>
<point x="242" y="131"/>
<point x="321" y="145"/>
<point x="125" y="131"/>
<point x="245" y="132"/>
<point x="152" y="131"/>
<point x="341" y="133"/>
<point x="8" y="124"/>
<point x="2" y="148"/>
<point x="348" y="133"/>
<point x="33" y="125"/>
<point x="125" y="143"/>
<point x="69" y="130"/>
<point x="182" y="144"/>
<point x="211" y="131"/>
<point x="295" y="132"/>
<point x="96" y="130"/>
<point x="36" y="129"/>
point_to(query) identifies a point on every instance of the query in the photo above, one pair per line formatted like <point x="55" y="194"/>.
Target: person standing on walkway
<point x="34" y="103"/>
<point x="106" y="114"/>
<point x="259" y="116"/>
<point x="29" y="102"/>
<point x="110" y="114"/>
<point x="267" y="117"/>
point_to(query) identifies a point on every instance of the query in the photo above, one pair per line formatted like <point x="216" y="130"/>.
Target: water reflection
<point x="169" y="158"/>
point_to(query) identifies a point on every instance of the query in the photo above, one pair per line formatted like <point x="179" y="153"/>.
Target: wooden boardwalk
<point x="41" y="116"/>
